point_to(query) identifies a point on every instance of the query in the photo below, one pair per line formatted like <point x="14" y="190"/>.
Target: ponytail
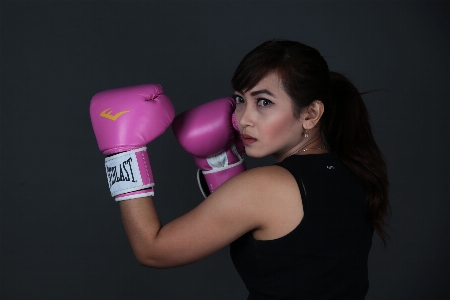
<point x="347" y="131"/>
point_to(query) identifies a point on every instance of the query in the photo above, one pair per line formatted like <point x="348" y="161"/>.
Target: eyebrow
<point x="264" y="91"/>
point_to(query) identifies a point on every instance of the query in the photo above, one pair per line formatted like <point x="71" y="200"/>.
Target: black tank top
<point x="325" y="256"/>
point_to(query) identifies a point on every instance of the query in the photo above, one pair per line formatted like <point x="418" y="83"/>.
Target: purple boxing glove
<point x="124" y="121"/>
<point x="207" y="133"/>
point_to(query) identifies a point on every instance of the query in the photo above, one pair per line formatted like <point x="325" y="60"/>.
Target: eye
<point x="264" y="102"/>
<point x="238" y="99"/>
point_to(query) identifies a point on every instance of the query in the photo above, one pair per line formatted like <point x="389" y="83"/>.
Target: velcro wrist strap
<point x="129" y="171"/>
<point x="216" y="177"/>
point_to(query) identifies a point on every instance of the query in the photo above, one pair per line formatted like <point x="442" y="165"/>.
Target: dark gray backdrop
<point x="61" y="233"/>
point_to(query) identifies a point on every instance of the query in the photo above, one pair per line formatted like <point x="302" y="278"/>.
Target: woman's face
<point x="266" y="119"/>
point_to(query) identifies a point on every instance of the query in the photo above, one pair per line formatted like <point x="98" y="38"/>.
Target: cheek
<point x="278" y="129"/>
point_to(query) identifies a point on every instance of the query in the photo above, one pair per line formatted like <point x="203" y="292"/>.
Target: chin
<point x="255" y="154"/>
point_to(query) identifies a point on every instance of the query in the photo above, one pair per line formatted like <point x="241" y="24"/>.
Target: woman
<point x="301" y="228"/>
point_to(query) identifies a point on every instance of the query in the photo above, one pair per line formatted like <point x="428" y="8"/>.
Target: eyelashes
<point x="261" y="102"/>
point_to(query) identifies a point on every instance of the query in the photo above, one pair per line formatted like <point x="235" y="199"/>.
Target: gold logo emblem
<point x="107" y="114"/>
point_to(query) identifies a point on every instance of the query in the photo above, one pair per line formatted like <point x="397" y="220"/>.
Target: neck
<point x="311" y="145"/>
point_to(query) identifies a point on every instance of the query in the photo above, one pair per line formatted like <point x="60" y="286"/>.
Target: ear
<point x="312" y="114"/>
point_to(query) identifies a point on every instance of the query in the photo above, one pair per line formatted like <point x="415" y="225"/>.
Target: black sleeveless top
<point x="325" y="256"/>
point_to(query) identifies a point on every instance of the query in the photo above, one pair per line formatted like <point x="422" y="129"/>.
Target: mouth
<point x="248" y="139"/>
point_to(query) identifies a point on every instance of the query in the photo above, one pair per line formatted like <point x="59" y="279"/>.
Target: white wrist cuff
<point x="129" y="171"/>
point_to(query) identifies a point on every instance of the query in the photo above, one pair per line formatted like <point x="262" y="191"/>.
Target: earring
<point x="306" y="134"/>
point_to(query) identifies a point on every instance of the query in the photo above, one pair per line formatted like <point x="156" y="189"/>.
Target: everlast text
<point x="120" y="172"/>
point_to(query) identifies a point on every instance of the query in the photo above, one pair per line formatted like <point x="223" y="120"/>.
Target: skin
<point x="266" y="113"/>
<point x="265" y="200"/>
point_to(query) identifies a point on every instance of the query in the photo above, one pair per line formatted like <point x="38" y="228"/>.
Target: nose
<point x="244" y="116"/>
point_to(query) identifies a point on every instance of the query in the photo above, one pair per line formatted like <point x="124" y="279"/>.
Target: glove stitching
<point x="145" y="165"/>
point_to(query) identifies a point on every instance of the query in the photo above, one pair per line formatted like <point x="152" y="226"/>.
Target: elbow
<point x="159" y="262"/>
<point x="151" y="255"/>
<point x="145" y="262"/>
<point x="144" y="259"/>
<point x="150" y="261"/>
<point x="145" y="252"/>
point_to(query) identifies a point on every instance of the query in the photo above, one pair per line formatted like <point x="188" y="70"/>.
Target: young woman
<point x="301" y="228"/>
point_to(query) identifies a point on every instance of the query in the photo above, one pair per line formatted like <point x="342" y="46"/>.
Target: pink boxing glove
<point x="207" y="133"/>
<point x="124" y="121"/>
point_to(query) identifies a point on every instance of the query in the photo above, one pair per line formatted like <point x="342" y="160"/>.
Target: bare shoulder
<point x="272" y="197"/>
<point x="267" y="180"/>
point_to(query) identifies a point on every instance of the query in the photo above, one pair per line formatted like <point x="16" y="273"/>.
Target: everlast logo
<point x="120" y="172"/>
<point x="107" y="114"/>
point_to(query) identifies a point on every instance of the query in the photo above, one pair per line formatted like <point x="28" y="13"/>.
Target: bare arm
<point x="141" y="223"/>
<point x="240" y="205"/>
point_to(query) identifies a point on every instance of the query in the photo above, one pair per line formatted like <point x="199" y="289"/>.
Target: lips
<point x="248" y="139"/>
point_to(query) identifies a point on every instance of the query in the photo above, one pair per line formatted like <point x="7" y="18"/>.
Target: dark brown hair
<point x="345" y="123"/>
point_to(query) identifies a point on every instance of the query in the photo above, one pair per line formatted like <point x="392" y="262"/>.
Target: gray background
<point x="61" y="233"/>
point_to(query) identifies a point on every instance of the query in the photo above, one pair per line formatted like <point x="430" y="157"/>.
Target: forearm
<point x="142" y="224"/>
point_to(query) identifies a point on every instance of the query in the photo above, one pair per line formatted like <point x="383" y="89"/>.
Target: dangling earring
<point x="306" y="134"/>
